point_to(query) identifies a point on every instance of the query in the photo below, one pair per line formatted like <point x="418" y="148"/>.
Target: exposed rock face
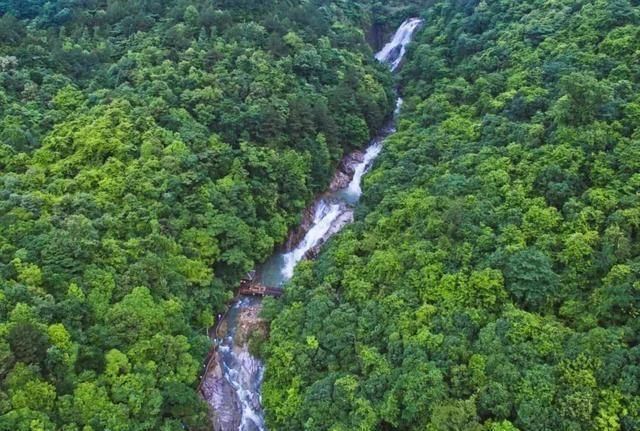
<point x="249" y="321"/>
<point x="221" y="396"/>
<point x="232" y="384"/>
<point x="340" y="181"/>
<point x="305" y="224"/>
<point x="346" y="169"/>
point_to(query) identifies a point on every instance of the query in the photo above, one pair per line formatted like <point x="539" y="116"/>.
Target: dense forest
<point x="151" y="152"/>
<point x="492" y="278"/>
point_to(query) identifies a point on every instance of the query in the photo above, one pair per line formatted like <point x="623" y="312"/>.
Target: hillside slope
<point x="151" y="152"/>
<point x="492" y="279"/>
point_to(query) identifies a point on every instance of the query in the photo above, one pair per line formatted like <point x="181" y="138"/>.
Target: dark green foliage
<point x="530" y="279"/>
<point x="28" y="343"/>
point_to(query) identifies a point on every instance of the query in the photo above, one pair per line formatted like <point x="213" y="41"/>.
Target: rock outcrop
<point x="221" y="396"/>
<point x="346" y="169"/>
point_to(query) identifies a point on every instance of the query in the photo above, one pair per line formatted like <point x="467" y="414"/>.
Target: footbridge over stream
<point x="249" y="286"/>
<point x="257" y="289"/>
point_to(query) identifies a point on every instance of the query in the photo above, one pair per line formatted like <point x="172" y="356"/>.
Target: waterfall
<point x="325" y="217"/>
<point x="393" y="52"/>
<point x="233" y="390"/>
<point x="372" y="152"/>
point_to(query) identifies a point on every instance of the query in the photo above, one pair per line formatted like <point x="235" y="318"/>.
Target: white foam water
<point x="393" y="52"/>
<point x="355" y="186"/>
<point x="326" y="214"/>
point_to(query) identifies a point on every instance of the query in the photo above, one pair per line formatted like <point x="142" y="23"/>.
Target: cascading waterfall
<point x="325" y="216"/>
<point x="234" y="392"/>
<point x="393" y="52"/>
<point x="370" y="155"/>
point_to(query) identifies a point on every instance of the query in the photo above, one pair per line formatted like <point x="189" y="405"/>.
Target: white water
<point x="372" y="152"/>
<point x="394" y="51"/>
<point x="332" y="212"/>
<point x="325" y="216"/>
<point x="243" y="372"/>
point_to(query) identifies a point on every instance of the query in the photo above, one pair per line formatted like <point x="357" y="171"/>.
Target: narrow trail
<point x="232" y="382"/>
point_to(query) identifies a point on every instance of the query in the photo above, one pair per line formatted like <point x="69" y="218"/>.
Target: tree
<point x="459" y="415"/>
<point x="583" y="97"/>
<point x="530" y="278"/>
<point x="28" y="343"/>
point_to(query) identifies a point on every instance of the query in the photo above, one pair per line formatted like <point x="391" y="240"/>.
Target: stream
<point x="231" y="386"/>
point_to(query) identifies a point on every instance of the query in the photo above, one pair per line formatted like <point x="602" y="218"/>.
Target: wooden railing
<point x="256" y="289"/>
<point x="213" y="334"/>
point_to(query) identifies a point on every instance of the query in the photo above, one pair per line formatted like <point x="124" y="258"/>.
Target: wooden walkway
<point x="250" y="288"/>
